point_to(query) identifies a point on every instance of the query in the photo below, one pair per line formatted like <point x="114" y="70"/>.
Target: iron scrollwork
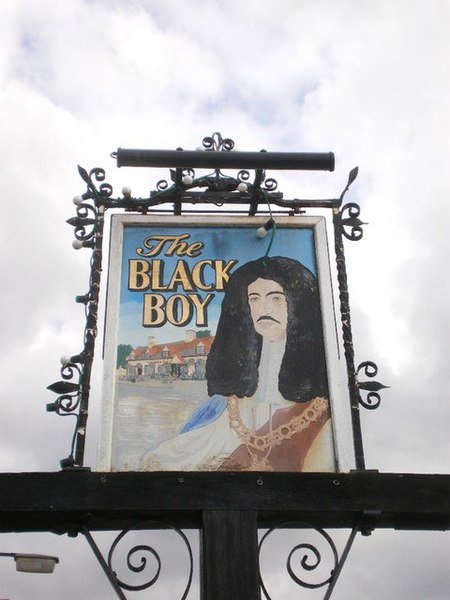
<point x="347" y="335"/>
<point x="311" y="559"/>
<point x="352" y="221"/>
<point x="141" y="554"/>
<point x="216" y="143"/>
<point x="349" y="213"/>
<point x="68" y="401"/>
<point x="74" y="387"/>
<point x="348" y="224"/>
<point x="373" y="399"/>
<point x="142" y="560"/>
<point x="191" y="188"/>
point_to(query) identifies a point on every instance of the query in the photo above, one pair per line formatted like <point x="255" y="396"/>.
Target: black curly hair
<point x="232" y="364"/>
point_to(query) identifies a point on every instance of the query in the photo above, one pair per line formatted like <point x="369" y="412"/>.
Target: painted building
<point x="185" y="359"/>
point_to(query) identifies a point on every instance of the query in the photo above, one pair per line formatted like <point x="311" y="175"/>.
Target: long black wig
<point x="232" y="364"/>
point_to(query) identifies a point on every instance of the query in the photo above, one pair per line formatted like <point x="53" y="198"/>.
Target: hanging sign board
<point x="221" y="355"/>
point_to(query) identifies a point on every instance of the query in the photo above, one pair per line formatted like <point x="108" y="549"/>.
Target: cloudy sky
<point x="366" y="79"/>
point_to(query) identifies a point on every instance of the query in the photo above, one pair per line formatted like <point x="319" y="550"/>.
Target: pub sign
<point x="221" y="355"/>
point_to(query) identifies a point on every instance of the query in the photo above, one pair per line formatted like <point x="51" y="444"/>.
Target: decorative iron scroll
<point x="353" y="221"/>
<point x="307" y="556"/>
<point x="339" y="231"/>
<point x="141" y="559"/>
<point x="312" y="558"/>
<point x="373" y="399"/>
<point x="217" y="143"/>
<point x="184" y="181"/>
<point x="74" y="387"/>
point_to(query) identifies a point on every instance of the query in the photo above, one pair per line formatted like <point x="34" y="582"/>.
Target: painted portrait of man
<point x="268" y="407"/>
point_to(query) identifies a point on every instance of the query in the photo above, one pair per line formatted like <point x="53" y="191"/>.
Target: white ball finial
<point x="126" y="191"/>
<point x="77" y="200"/>
<point x="64" y="360"/>
<point x="187" y="180"/>
<point x="77" y="244"/>
<point x="261" y="232"/>
<point x="242" y="187"/>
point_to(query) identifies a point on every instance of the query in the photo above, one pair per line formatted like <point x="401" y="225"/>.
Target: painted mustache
<point x="268" y="318"/>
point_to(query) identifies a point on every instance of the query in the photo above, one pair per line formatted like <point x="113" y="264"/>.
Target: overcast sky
<point x="366" y="79"/>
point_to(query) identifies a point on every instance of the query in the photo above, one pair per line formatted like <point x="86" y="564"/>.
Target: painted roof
<point x="181" y="349"/>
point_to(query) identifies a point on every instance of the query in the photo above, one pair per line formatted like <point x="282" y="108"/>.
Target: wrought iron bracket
<point x="137" y="559"/>
<point x="311" y="558"/>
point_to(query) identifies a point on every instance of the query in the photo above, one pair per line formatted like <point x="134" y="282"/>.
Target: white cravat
<point x="258" y="409"/>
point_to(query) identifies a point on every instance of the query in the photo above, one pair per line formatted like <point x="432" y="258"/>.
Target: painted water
<point x="148" y="413"/>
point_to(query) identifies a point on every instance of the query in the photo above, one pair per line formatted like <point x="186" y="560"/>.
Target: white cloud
<point x="367" y="80"/>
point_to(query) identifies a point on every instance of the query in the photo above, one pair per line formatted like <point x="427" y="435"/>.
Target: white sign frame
<point x="335" y="362"/>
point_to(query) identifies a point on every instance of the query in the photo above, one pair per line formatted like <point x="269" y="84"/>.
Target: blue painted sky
<point x="237" y="243"/>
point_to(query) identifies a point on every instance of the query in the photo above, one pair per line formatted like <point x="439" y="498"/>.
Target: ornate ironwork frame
<point x="257" y="193"/>
<point x="218" y="189"/>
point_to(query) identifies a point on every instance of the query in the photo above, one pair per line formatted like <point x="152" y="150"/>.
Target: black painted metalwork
<point x="356" y="234"/>
<point x="311" y="558"/>
<point x="341" y="563"/>
<point x="137" y="559"/>
<point x="110" y="575"/>
<point x="373" y="398"/>
<point x="88" y="229"/>
<point x="297" y="161"/>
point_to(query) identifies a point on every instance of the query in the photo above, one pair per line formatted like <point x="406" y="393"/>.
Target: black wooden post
<point x="229" y="555"/>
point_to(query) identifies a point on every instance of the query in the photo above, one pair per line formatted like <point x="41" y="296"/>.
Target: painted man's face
<point x="268" y="308"/>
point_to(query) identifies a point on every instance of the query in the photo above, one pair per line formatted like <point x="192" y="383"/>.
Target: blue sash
<point x="205" y="414"/>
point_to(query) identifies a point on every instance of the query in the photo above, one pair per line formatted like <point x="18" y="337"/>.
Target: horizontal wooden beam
<point x="67" y="501"/>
